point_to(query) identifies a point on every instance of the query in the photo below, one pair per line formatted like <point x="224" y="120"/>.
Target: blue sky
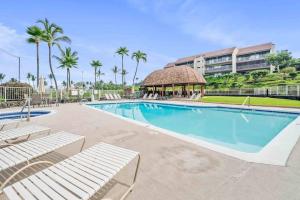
<point x="164" y="29"/>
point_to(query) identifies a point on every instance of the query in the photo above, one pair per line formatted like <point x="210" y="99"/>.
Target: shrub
<point x="293" y="75"/>
<point x="258" y="74"/>
<point x="288" y="70"/>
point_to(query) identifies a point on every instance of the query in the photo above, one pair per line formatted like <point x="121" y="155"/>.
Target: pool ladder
<point x="246" y="100"/>
<point x="27" y="103"/>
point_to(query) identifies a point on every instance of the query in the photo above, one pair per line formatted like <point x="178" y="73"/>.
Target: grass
<point x="256" y="101"/>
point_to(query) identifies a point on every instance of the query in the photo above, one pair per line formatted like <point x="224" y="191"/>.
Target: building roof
<point x="186" y="59"/>
<point x="172" y="64"/>
<point x="174" y="75"/>
<point x="256" y="48"/>
<point x="220" y="52"/>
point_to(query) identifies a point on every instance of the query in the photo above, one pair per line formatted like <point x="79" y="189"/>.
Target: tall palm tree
<point x="53" y="36"/>
<point x="96" y="64"/>
<point x="68" y="60"/>
<point x="115" y="70"/>
<point x="50" y="77"/>
<point x="33" y="79"/>
<point x="2" y="76"/>
<point x="36" y="34"/>
<point x="124" y="73"/>
<point x="122" y="51"/>
<point x="99" y="74"/>
<point x="29" y="75"/>
<point x="137" y="56"/>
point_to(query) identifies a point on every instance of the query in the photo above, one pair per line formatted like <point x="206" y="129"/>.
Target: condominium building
<point x="229" y="60"/>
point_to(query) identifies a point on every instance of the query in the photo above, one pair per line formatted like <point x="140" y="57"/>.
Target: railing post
<point x="4" y="94"/>
<point x="286" y="90"/>
<point x="298" y="92"/>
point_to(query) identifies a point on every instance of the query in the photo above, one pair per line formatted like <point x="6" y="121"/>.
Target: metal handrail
<point x="27" y="103"/>
<point x="244" y="102"/>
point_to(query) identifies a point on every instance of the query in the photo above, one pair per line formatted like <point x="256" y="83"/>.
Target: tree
<point x="99" y="74"/>
<point x="122" y="51"/>
<point x="280" y="59"/>
<point x="33" y="79"/>
<point x="138" y="55"/>
<point x="29" y="75"/>
<point x="50" y="77"/>
<point x="258" y="74"/>
<point x="2" y="77"/>
<point x="53" y="36"/>
<point x="14" y="80"/>
<point x="287" y="71"/>
<point x="36" y="34"/>
<point x="115" y="70"/>
<point x="95" y="64"/>
<point x="67" y="60"/>
<point x="124" y="73"/>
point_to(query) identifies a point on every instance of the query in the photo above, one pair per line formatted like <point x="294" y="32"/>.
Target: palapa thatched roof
<point x="178" y="75"/>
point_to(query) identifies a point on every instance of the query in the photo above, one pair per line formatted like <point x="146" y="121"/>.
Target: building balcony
<point x="217" y="69"/>
<point x="252" y="66"/>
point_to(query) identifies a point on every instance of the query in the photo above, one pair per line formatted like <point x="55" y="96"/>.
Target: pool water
<point x="240" y="129"/>
<point x="17" y="115"/>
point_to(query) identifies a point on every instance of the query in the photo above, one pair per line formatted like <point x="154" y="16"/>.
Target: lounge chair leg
<point x="20" y="170"/>
<point x="134" y="179"/>
<point x="82" y="144"/>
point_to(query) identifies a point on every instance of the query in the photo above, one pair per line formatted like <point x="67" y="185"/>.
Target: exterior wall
<point x="234" y="60"/>
<point x="199" y="64"/>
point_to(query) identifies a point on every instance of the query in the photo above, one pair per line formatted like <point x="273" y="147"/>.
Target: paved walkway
<point x="175" y="169"/>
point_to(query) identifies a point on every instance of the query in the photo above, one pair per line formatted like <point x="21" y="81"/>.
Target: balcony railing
<point x="252" y="66"/>
<point x="218" y="69"/>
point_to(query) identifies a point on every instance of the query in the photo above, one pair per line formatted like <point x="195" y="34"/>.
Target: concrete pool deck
<point x="175" y="169"/>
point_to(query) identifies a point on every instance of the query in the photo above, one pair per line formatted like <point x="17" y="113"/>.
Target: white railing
<point x="284" y="90"/>
<point x="14" y="93"/>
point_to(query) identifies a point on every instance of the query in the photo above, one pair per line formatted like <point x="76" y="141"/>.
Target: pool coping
<point x="276" y="152"/>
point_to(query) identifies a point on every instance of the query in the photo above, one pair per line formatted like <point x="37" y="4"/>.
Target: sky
<point x="164" y="29"/>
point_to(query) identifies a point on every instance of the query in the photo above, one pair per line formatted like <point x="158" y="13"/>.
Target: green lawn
<point x="257" y="101"/>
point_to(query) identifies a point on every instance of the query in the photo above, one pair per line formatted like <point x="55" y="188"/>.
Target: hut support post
<point x="202" y="90"/>
<point x="188" y="90"/>
<point x="173" y="90"/>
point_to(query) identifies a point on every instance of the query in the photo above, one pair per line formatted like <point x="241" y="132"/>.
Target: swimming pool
<point x="243" y="130"/>
<point x="17" y="115"/>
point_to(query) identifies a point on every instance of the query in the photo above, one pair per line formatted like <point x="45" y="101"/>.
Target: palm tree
<point x="64" y="83"/>
<point x="68" y="60"/>
<point x="95" y="64"/>
<point x="115" y="70"/>
<point x="33" y="79"/>
<point x="124" y="73"/>
<point x="2" y="76"/>
<point x="138" y="55"/>
<point x="36" y="34"/>
<point x="99" y="74"/>
<point x="53" y="36"/>
<point x="122" y="51"/>
<point x="29" y="75"/>
<point x="50" y="77"/>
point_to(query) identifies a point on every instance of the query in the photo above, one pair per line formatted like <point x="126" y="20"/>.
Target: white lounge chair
<point x="145" y="96"/>
<point x="21" y="132"/>
<point x="198" y="97"/>
<point x="119" y="97"/>
<point x="78" y="177"/>
<point x="193" y="96"/>
<point x="19" y="153"/>
<point x="155" y="97"/>
<point x="111" y="96"/>
<point x="107" y="97"/>
<point x="150" y="96"/>
<point x="115" y="96"/>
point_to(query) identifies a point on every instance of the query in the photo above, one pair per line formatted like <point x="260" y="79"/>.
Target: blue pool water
<point x="17" y="115"/>
<point x="239" y="129"/>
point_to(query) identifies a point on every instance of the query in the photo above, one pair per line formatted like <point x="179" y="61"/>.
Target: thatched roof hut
<point x="184" y="76"/>
<point x="179" y="75"/>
